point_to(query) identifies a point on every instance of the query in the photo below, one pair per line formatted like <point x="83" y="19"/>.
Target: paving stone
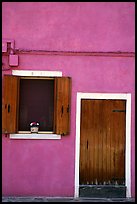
<point x="80" y="199"/>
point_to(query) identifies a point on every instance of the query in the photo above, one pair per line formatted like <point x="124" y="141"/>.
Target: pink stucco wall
<point x="46" y="167"/>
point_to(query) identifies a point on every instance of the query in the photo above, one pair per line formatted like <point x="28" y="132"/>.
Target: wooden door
<point x="102" y="142"/>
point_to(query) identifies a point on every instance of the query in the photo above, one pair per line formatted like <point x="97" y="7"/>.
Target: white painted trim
<point x="128" y="146"/>
<point x="77" y="148"/>
<point x="36" y="73"/>
<point x="43" y="74"/>
<point x="35" y="136"/>
<point x="124" y="96"/>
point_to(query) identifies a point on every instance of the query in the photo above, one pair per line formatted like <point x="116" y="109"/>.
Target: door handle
<point x="62" y="110"/>
<point x="87" y="144"/>
<point x="8" y="108"/>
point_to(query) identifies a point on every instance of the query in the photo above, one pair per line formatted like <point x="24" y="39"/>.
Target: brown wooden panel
<point x="102" y="141"/>
<point x="62" y="105"/>
<point x="118" y="140"/>
<point x="10" y="104"/>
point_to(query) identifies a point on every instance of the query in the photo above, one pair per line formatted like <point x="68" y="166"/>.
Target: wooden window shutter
<point x="10" y="104"/>
<point x="62" y="105"/>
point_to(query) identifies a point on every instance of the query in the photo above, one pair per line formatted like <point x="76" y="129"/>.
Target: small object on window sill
<point x="34" y="127"/>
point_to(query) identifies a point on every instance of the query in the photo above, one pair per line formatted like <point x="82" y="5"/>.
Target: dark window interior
<point x="36" y="103"/>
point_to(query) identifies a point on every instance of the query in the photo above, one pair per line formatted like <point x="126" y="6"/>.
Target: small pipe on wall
<point x="75" y="53"/>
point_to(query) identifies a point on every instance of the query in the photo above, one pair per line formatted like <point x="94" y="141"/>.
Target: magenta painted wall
<point x="46" y="167"/>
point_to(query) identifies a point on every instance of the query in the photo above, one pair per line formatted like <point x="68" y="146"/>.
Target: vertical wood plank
<point x="10" y="106"/>
<point x="62" y="105"/>
<point x="119" y="136"/>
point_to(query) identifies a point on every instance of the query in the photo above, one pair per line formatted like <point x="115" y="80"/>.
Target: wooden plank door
<point x="102" y="141"/>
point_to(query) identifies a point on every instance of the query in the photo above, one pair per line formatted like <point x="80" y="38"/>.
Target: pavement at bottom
<point x="68" y="199"/>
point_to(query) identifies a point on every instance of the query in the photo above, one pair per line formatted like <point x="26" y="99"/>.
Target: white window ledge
<point x="35" y="136"/>
<point x="37" y="73"/>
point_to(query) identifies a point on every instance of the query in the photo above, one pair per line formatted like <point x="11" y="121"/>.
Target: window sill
<point x="35" y="136"/>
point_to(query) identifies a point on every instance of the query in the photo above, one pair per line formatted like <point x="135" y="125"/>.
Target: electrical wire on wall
<point x="13" y="53"/>
<point x="75" y="53"/>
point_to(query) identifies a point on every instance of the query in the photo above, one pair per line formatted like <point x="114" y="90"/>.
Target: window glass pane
<point x="36" y="104"/>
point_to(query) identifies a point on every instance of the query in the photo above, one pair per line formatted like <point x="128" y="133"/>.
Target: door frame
<point x="124" y="96"/>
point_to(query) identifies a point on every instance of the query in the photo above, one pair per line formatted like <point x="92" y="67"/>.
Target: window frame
<point x="37" y="78"/>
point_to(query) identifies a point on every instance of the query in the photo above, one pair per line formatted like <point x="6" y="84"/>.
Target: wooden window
<point x="28" y="99"/>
